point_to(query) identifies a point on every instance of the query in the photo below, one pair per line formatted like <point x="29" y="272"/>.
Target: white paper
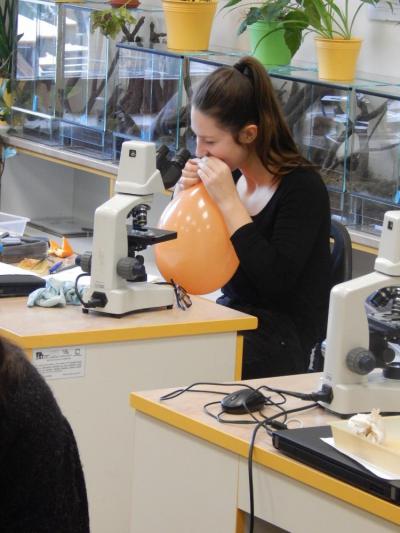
<point x="60" y="363"/>
<point x="11" y="269"/>
<point x="70" y="275"/>
<point x="372" y="468"/>
<point x="66" y="275"/>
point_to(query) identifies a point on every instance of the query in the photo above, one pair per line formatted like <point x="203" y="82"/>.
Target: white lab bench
<point x="115" y="356"/>
<point x="191" y="472"/>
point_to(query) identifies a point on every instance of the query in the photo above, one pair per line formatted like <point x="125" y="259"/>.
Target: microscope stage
<point x="148" y="236"/>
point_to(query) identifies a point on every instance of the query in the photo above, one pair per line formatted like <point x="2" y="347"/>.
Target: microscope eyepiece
<point x="181" y="157"/>
<point x="171" y="167"/>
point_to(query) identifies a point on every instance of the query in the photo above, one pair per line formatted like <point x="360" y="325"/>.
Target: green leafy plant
<point x="112" y="21"/>
<point x="329" y="21"/>
<point x="287" y="14"/>
<point x="7" y="36"/>
<point x="322" y="17"/>
<point x="8" y="39"/>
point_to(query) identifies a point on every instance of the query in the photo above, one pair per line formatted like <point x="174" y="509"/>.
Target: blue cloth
<point x="56" y="292"/>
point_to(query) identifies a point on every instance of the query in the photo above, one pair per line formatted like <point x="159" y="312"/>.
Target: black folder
<point x="305" y="445"/>
<point x="19" y="284"/>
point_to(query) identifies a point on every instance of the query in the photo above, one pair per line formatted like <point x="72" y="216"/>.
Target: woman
<point x="41" y="482"/>
<point x="277" y="215"/>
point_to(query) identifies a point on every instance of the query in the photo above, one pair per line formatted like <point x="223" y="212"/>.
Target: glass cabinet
<point x="374" y="183"/>
<point x="65" y="76"/>
<point x="321" y="118"/>
<point x="92" y="83"/>
<point x="148" y="96"/>
<point x="36" y="109"/>
<point x="78" y="89"/>
<point x="87" y="76"/>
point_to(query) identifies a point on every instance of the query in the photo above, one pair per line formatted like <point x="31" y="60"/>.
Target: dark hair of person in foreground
<point x="42" y="487"/>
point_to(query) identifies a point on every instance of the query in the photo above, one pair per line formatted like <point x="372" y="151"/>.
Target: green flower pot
<point x="273" y="49"/>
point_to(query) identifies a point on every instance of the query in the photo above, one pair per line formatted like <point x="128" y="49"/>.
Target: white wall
<point x="380" y="50"/>
<point x="379" y="53"/>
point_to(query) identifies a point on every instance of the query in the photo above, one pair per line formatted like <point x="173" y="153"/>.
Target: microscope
<point x="118" y="282"/>
<point x="359" y="376"/>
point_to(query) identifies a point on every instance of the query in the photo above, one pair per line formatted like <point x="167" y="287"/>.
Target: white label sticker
<point x="60" y="363"/>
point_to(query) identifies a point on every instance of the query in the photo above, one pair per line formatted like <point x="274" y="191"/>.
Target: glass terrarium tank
<point x="198" y="66"/>
<point x="147" y="96"/>
<point x="90" y="76"/>
<point x="374" y="184"/>
<point x="318" y="115"/>
<point x="35" y="108"/>
<point x="322" y="117"/>
<point x="154" y="92"/>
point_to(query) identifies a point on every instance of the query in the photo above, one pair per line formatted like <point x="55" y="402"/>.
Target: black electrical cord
<point x="264" y="424"/>
<point x="177" y="392"/>
<point x="325" y="394"/>
<point x="77" y="289"/>
<point x="267" y="422"/>
<point x="220" y="419"/>
<point x="183" y="300"/>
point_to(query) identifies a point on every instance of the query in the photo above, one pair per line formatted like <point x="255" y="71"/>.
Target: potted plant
<point x="111" y="22"/>
<point x="337" y="49"/>
<point x="7" y="36"/>
<point x="275" y="28"/>
<point x="189" y="23"/>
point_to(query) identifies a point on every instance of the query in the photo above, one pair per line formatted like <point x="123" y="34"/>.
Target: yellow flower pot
<point x="188" y="24"/>
<point x="337" y="58"/>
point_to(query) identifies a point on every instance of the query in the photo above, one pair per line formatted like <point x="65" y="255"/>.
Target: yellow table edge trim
<point x="364" y="248"/>
<point x="240" y="521"/>
<point x="129" y="333"/>
<point x="239" y="358"/>
<point x="280" y="463"/>
<point x="66" y="163"/>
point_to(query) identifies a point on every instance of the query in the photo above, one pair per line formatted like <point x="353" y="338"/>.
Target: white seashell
<point x="368" y="425"/>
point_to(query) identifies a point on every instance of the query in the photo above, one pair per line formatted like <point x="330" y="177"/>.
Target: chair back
<point x="341" y="270"/>
<point x="341" y="253"/>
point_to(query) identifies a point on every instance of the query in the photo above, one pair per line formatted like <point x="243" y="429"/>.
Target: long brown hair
<point x="241" y="95"/>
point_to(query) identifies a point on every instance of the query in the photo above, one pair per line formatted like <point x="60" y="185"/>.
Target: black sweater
<point x="284" y="255"/>
<point x="42" y="489"/>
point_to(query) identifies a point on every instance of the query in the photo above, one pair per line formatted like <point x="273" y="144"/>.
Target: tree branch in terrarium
<point x="106" y="22"/>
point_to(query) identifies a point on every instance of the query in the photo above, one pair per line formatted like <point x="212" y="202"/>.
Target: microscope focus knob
<point x="360" y="361"/>
<point x="84" y="261"/>
<point x="131" y="268"/>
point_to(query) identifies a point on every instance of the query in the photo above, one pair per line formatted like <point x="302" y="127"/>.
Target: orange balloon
<point x="202" y="258"/>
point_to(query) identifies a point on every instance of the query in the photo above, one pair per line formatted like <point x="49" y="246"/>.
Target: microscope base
<point x="136" y="296"/>
<point x="376" y="392"/>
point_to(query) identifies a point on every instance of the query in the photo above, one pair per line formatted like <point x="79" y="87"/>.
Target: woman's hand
<point x="217" y="179"/>
<point x="189" y="176"/>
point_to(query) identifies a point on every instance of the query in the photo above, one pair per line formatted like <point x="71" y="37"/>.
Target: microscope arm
<point x="348" y="325"/>
<point x="110" y="243"/>
<point x="112" y="261"/>
<point x="348" y="366"/>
